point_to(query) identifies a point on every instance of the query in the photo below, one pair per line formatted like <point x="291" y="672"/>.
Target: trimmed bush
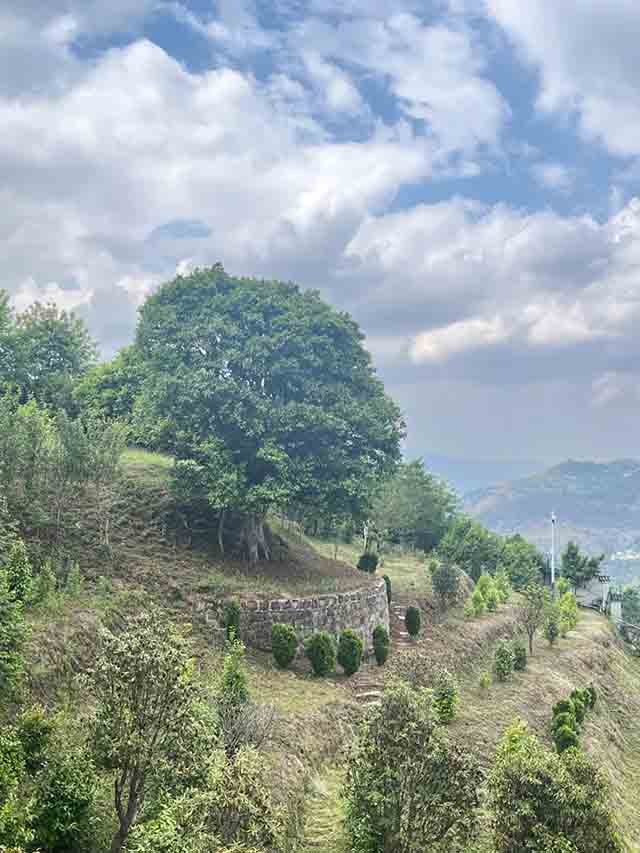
<point x="232" y="619"/>
<point x="580" y="709"/>
<point x="565" y="738"/>
<point x="412" y="620"/>
<point x="368" y="563"/>
<point x="564" y="706"/>
<point x="445" y="696"/>
<point x="350" y="650"/>
<point x="284" y="644"/>
<point x="503" y="661"/>
<point x="380" y="644"/>
<point x="519" y="656"/>
<point x="387" y="583"/>
<point x="552" y="624"/>
<point x="320" y="648"/>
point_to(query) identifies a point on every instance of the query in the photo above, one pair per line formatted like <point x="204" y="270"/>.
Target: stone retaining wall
<point x="360" y="609"/>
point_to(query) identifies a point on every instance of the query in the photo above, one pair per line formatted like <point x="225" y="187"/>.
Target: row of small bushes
<point x="323" y="651"/>
<point x="509" y="657"/>
<point x="568" y="716"/>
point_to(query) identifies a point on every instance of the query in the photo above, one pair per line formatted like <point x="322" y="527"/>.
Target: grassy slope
<point x="314" y="718"/>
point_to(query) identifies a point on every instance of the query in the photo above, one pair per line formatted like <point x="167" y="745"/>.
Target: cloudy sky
<point x="458" y="174"/>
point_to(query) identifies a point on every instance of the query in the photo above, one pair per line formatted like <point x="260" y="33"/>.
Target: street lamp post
<point x="553" y="552"/>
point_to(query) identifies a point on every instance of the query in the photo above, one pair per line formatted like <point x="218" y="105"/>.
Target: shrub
<point x="580" y="709"/>
<point x="565" y="738"/>
<point x="368" y="563"/>
<point x="380" y="644"/>
<point x="503" y="661"/>
<point x="445" y="579"/>
<point x="569" y="613"/>
<point x="321" y="650"/>
<point x="412" y="621"/>
<point x="484" y="584"/>
<point x="74" y="583"/>
<point x="564" y="706"/>
<point x="478" y="602"/>
<point x="46" y="584"/>
<point x="591" y="690"/>
<point x="284" y="644"/>
<point x="519" y="656"/>
<point x="445" y="696"/>
<point x="19" y="572"/>
<point x="387" y="583"/>
<point x="350" y="648"/>
<point x="564" y="719"/>
<point x="231" y="617"/>
<point x="503" y="585"/>
<point x="562" y="587"/>
<point x="469" y="611"/>
<point x="34" y="733"/>
<point x="485" y="681"/>
<point x="552" y="624"/>
<point x="492" y="599"/>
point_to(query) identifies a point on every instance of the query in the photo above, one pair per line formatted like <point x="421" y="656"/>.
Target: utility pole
<point x="553" y="552"/>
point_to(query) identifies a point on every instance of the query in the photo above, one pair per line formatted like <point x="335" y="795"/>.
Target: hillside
<point x="598" y="504"/>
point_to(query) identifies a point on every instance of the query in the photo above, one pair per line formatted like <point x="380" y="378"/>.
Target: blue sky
<point x="460" y="175"/>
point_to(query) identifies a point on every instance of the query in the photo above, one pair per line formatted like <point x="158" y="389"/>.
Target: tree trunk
<point x="254" y="541"/>
<point x="223" y="512"/>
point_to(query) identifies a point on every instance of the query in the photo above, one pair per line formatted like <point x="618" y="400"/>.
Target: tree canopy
<point x="471" y="547"/>
<point x="267" y="397"/>
<point x="579" y="568"/>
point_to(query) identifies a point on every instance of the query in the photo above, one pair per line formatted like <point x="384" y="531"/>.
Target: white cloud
<point x="553" y="176"/>
<point x="465" y="335"/>
<point x="586" y="51"/>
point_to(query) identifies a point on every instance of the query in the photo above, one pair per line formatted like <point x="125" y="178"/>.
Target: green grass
<point x="324" y="829"/>
<point x="146" y="467"/>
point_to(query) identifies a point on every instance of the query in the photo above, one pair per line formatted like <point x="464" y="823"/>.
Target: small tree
<point x="569" y="612"/>
<point x="46" y="584"/>
<point x="492" y="599"/>
<point x="578" y="568"/>
<point x="387" y="583"/>
<point x="502" y="584"/>
<point x="543" y="801"/>
<point x="350" y="648"/>
<point x="477" y="602"/>
<point x="13" y="634"/>
<point x="144" y="690"/>
<point x="368" y="563"/>
<point x="231" y="615"/>
<point x="320" y="648"/>
<point x="20" y="573"/>
<point x="284" y="644"/>
<point x="445" y="695"/>
<point x="408" y="787"/>
<point x="503" y="661"/>
<point x="380" y="644"/>
<point x="445" y="579"/>
<point x="552" y="623"/>
<point x="74" y="582"/>
<point x="532" y="610"/>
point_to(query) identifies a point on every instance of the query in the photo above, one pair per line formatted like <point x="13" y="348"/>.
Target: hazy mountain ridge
<point x="596" y="503"/>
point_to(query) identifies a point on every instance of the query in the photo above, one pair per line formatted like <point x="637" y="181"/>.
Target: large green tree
<point x="267" y="398"/>
<point x="471" y="547"/>
<point x="578" y="568"/>
<point x="414" y="508"/>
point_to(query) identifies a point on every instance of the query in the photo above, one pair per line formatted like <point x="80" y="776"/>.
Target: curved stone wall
<point x="360" y="609"/>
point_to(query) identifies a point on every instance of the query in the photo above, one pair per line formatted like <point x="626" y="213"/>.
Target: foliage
<point x="320" y="648"/>
<point x="562" y="587"/>
<point x="144" y="690"/>
<point x="631" y="605"/>
<point x="519" y="656"/>
<point x="64" y="795"/>
<point x="234" y="708"/>
<point x="502" y="584"/>
<point x="565" y="738"/>
<point x="231" y="619"/>
<point x="445" y="580"/>
<point x="492" y="599"/>
<point x="19" y="572"/>
<point x="47" y="351"/>
<point x="350" y="648"/>
<point x="477" y="602"/>
<point x="532" y="610"/>
<point x="412" y="621"/>
<point x="469" y="610"/>
<point x="408" y="788"/>
<point x="541" y="801"/>
<point x="368" y="562"/>
<point x="284" y="644"/>
<point x="15" y="814"/>
<point x="46" y="584"/>
<point x="522" y="562"/>
<point x="484" y="584"/>
<point x="446" y="697"/>
<point x="485" y="680"/>
<point x="34" y="730"/>
<point x="109" y="391"/>
<point x="413" y="508"/>
<point x="387" y="583"/>
<point x="468" y="545"/>
<point x="552" y="623"/>
<point x="74" y="582"/>
<point x="578" y="568"/>
<point x="270" y="393"/>
<point x="380" y="644"/>
<point x="13" y="634"/>
<point x="503" y="660"/>
<point x="569" y="612"/>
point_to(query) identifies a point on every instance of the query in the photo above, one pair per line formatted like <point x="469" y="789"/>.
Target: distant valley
<point x="597" y="504"/>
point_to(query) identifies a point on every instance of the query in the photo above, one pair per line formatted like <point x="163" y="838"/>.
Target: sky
<point x="460" y="175"/>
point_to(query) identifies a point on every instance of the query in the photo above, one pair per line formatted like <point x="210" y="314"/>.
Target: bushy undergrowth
<point x="446" y="697"/>
<point x="504" y="660"/>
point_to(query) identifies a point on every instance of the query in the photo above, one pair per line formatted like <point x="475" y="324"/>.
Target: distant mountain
<point x="597" y="504"/>
<point x="466" y="475"/>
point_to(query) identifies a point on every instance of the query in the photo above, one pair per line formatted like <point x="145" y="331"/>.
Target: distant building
<point x="596" y="594"/>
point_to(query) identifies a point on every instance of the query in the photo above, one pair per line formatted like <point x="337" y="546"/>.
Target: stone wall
<point x="360" y="609"/>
